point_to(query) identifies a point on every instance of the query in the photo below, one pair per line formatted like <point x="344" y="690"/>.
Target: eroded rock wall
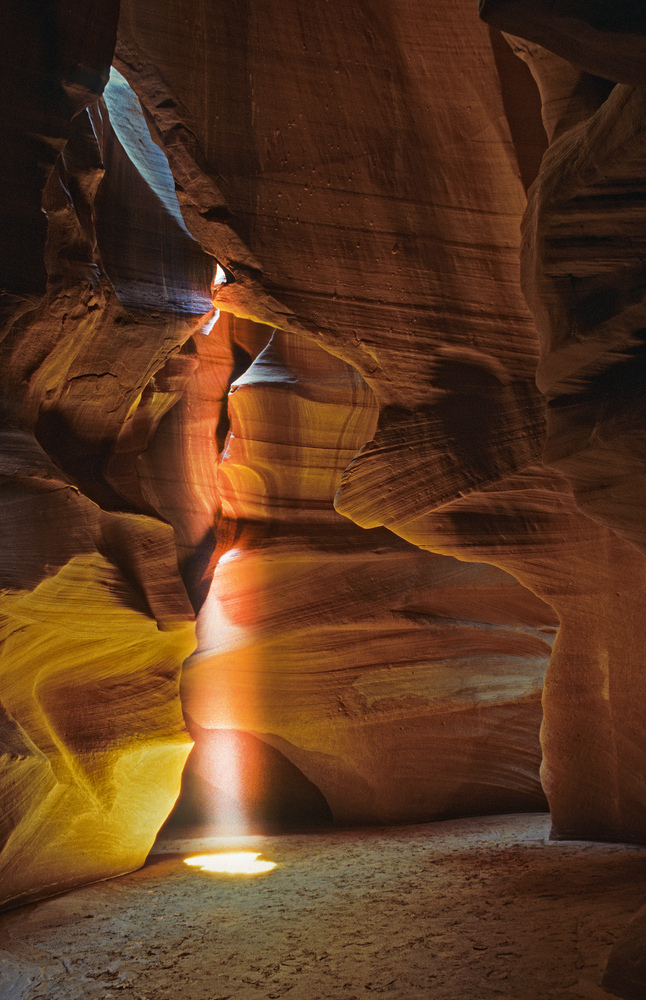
<point x="583" y="278"/>
<point x="354" y="177"/>
<point x="403" y="685"/>
<point x="95" y="619"/>
<point x="400" y="254"/>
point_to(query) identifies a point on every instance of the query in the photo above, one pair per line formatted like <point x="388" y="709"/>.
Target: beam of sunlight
<point x="220" y="695"/>
<point x="231" y="863"/>
<point x="207" y="322"/>
<point x="227" y="770"/>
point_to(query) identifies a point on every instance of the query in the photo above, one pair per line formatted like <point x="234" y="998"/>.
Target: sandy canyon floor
<point x="460" y="910"/>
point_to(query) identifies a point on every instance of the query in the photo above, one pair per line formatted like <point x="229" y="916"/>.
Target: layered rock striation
<point x="403" y="685"/>
<point x="425" y="302"/>
<point x="583" y="278"/>
<point x="95" y="619"/>
<point x="381" y="477"/>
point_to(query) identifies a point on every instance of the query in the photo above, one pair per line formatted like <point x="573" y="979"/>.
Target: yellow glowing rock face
<point x="90" y="693"/>
<point x="231" y="863"/>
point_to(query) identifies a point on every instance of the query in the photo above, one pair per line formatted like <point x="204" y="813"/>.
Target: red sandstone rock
<point x="95" y="619"/>
<point x="626" y="972"/>
<point x="584" y="279"/>
<point x="568" y="95"/>
<point x="407" y="268"/>
<point x="606" y="37"/>
<point x="591" y="734"/>
<point x="404" y="686"/>
<point x="458" y="409"/>
<point x="355" y="175"/>
<point x="93" y="634"/>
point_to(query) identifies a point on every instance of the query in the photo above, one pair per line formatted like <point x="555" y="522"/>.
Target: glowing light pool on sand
<point x="231" y="863"/>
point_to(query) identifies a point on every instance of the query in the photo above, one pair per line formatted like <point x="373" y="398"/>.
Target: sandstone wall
<point x="369" y="510"/>
<point x="403" y="685"/>
<point x="425" y="302"/>
<point x="95" y="620"/>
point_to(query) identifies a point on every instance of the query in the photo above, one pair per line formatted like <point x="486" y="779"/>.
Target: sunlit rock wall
<point x="94" y="619"/>
<point x="370" y="198"/>
<point x="404" y="686"/>
<point x="358" y="173"/>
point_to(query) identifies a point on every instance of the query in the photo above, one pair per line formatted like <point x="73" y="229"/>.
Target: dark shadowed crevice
<point x="278" y="796"/>
<point x="522" y="103"/>
<point x="241" y="361"/>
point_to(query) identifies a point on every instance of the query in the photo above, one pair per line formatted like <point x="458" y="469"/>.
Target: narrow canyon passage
<point x="322" y="479"/>
<point x="464" y="909"/>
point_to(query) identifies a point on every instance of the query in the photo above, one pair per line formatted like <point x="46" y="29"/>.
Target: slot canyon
<point x="323" y="464"/>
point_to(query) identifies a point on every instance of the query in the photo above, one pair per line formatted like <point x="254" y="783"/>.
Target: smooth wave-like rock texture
<point x="93" y="631"/>
<point x="583" y="278"/>
<point x="586" y="285"/>
<point x="403" y="685"/>
<point x="605" y="37"/>
<point x="354" y="176"/>
<point x="424" y="300"/>
<point x="592" y="736"/>
<point x="96" y="739"/>
<point x="95" y="620"/>
<point x="582" y="275"/>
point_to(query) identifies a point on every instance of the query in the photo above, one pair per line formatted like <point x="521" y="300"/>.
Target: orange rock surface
<point x="409" y="447"/>
<point x="423" y="299"/>
<point x="404" y="686"/>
